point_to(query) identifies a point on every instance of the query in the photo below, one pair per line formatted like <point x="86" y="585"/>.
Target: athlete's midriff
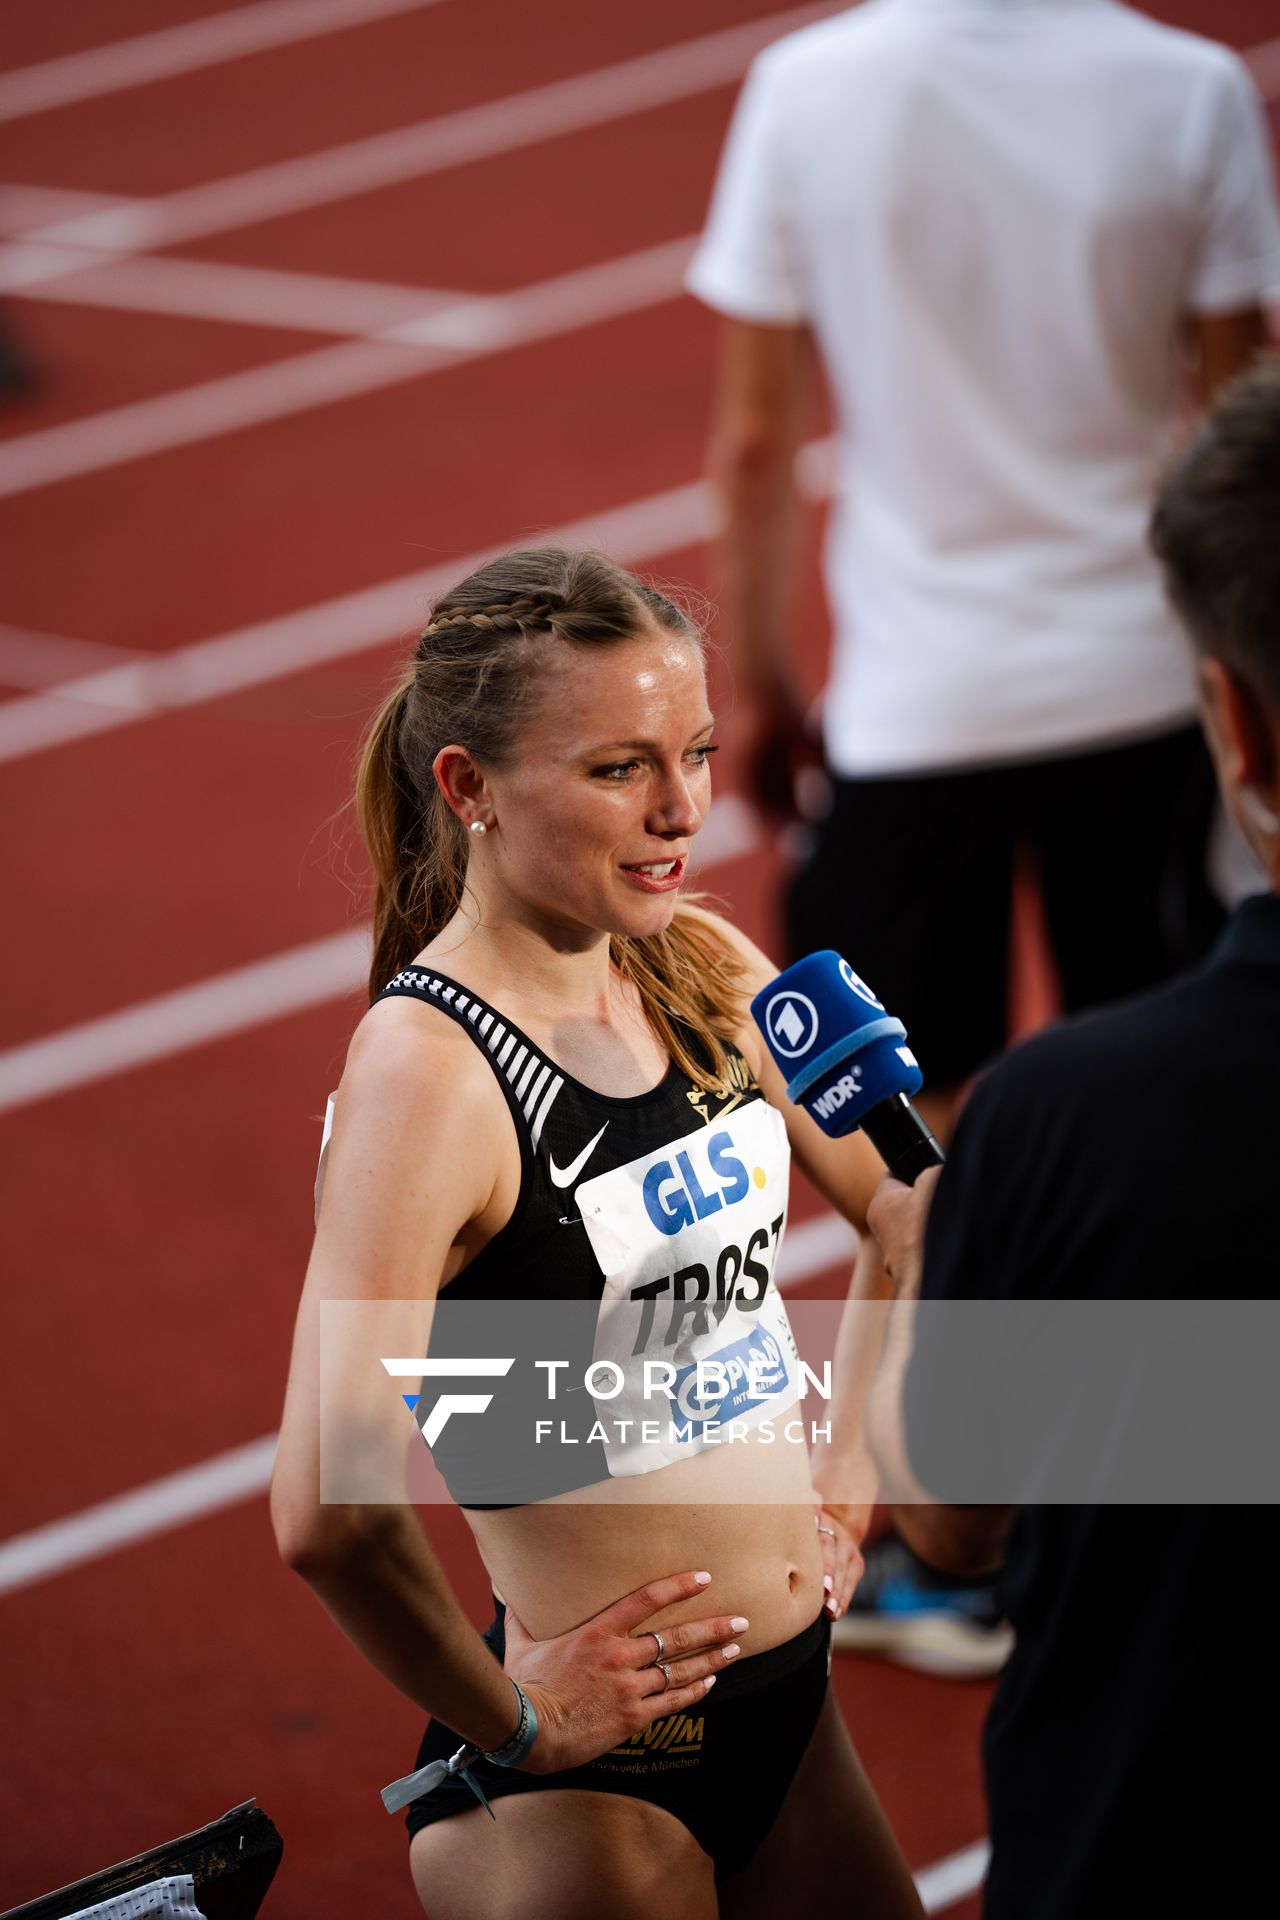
<point x="743" y="1511"/>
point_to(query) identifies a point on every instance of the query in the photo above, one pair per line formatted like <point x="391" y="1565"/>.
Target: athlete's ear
<point x="461" y="780"/>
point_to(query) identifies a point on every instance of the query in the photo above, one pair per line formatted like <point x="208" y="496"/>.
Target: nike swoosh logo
<point x="565" y="1176"/>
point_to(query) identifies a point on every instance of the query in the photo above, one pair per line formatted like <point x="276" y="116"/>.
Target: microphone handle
<point x="901" y="1138"/>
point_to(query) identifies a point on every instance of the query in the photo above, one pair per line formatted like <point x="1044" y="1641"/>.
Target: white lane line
<point x="216" y="290"/>
<point x="296" y="384"/>
<point x="40" y="660"/>
<point x="825" y="1241"/>
<point x="432" y="146"/>
<point x="353" y="623"/>
<point x="172" y="1023"/>
<point x="300" y="383"/>
<point x="182" y="49"/>
<point x="245" y="997"/>
<point x="451" y="140"/>
<point x="227" y="1480"/>
<point x="25" y="208"/>
<point x="242" y="1474"/>
<point x="582" y="298"/>
<point x="30" y="263"/>
<point x="953" y="1879"/>
<point x="338" y="629"/>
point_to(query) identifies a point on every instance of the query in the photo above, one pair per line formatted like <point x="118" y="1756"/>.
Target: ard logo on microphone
<point x="791" y="1023"/>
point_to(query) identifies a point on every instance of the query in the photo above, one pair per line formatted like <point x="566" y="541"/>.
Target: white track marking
<point x="338" y="629"/>
<point x="582" y="298"/>
<point x="173" y="1023"/>
<point x="242" y="1474"/>
<point x="353" y="623"/>
<point x="23" y="209"/>
<point x="26" y="264"/>
<point x="245" y="997"/>
<point x="730" y="829"/>
<point x="949" y="1881"/>
<point x="433" y="146"/>
<point x="298" y="384"/>
<point x="39" y="660"/>
<point x="216" y="290"/>
<point x="825" y="1241"/>
<point x="302" y="382"/>
<point x="227" y="1480"/>
<point x="183" y="49"/>
<point x="452" y="140"/>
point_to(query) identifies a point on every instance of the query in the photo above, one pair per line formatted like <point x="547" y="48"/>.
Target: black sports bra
<point x="674" y="1198"/>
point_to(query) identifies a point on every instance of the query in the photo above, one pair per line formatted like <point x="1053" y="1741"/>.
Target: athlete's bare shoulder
<point x="418" y="1108"/>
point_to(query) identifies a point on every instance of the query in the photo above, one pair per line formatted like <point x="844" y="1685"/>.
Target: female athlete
<point x="558" y="1094"/>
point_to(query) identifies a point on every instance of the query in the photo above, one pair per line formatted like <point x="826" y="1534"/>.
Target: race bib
<point x="692" y="1334"/>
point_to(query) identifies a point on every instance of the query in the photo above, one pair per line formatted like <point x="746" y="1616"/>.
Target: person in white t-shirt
<point x="1003" y="230"/>
<point x="1002" y="224"/>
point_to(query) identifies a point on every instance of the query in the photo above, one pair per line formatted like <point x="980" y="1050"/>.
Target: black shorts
<point x="723" y="1767"/>
<point x="911" y="878"/>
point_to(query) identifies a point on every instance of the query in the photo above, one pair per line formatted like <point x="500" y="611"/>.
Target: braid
<point x="516" y="617"/>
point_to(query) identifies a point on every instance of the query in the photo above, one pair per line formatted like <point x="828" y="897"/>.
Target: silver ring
<point x="661" y="1654"/>
<point x="830" y="1530"/>
<point x="665" y="1671"/>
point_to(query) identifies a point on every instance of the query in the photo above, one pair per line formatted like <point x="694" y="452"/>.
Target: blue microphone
<point x="846" y="1060"/>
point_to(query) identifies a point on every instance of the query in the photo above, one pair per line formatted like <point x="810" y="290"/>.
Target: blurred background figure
<point x="1012" y="238"/>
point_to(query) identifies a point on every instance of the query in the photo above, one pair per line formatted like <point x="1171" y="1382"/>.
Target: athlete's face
<point x="597" y="809"/>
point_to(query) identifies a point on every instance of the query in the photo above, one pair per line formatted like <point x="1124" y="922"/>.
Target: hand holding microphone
<point x="846" y="1060"/>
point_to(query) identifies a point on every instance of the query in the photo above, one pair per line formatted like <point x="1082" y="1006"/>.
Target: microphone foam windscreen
<point x="841" y="1053"/>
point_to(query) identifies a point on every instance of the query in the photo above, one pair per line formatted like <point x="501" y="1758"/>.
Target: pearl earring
<point x="478" y="827"/>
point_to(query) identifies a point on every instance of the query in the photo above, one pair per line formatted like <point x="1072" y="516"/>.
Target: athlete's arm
<point x="420" y="1163"/>
<point x="414" y="1159"/>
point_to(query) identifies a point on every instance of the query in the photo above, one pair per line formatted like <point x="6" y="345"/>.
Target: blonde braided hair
<point x="473" y="681"/>
<point x="521" y="615"/>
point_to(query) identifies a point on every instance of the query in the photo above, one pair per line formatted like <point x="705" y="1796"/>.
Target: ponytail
<point x="414" y="842"/>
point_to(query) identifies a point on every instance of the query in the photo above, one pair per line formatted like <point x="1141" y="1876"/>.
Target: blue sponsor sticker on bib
<point x="743" y="1375"/>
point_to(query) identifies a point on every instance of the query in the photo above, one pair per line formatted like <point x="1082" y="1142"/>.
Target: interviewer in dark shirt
<point x="1129" y="1156"/>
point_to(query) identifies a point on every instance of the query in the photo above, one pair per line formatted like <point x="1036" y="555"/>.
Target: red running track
<point x="158" y="1216"/>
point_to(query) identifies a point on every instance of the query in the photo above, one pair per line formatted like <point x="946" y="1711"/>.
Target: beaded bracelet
<point x="415" y="1786"/>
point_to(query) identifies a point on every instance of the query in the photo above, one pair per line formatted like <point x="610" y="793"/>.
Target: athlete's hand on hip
<point x="841" y="1560"/>
<point x="602" y="1682"/>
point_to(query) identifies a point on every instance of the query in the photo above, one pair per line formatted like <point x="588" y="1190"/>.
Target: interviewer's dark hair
<point x="1216" y="530"/>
